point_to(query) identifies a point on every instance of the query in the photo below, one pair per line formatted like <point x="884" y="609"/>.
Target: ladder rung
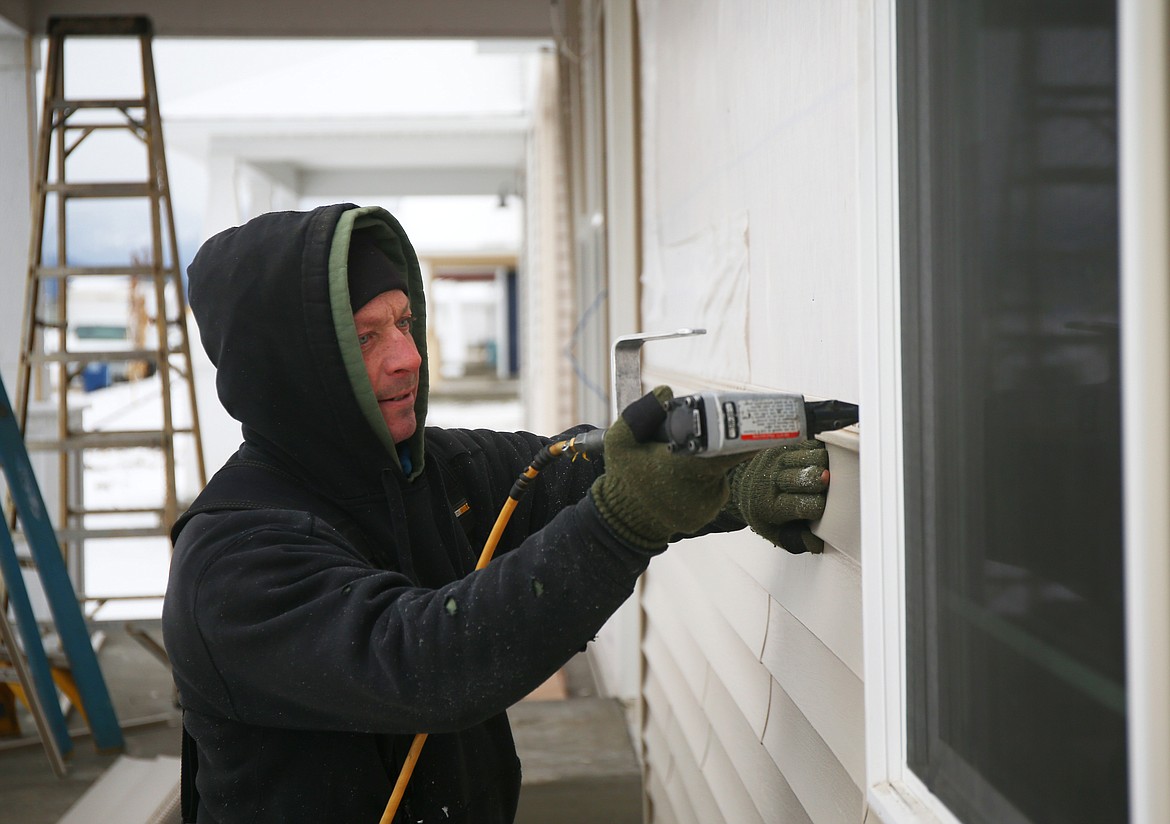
<point x="95" y="533"/>
<point x="130" y="125"/>
<point x="129" y="103"/>
<point x="113" y="532"/>
<point x="109" y="439"/>
<point x="98" y="440"/>
<point x="105" y="599"/>
<point x="90" y="357"/>
<point x="101" y="189"/>
<point x="87" y="271"/>
<point x="56" y="324"/>
<point x="126" y="511"/>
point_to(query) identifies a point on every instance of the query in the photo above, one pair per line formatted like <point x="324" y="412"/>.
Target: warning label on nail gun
<point x="763" y="419"/>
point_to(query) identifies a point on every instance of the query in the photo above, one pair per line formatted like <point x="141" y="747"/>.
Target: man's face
<point x="392" y="360"/>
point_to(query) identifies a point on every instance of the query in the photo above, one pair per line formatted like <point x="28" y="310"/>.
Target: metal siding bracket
<point x="627" y="364"/>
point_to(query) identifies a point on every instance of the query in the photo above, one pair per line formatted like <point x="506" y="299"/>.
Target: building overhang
<point x="276" y="18"/>
<point x="404" y="155"/>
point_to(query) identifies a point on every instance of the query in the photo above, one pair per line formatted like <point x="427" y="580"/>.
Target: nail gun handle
<point x="646" y="418"/>
<point x="825" y="416"/>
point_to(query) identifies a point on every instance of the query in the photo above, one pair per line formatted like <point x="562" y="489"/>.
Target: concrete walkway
<point x="141" y="689"/>
<point x="579" y="767"/>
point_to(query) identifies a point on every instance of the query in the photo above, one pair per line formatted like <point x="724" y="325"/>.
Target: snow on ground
<point x="134" y="478"/>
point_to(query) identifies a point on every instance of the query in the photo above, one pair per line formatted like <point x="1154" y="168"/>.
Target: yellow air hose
<point x="589" y="442"/>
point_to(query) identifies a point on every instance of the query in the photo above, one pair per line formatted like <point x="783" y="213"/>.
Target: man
<point x="322" y="605"/>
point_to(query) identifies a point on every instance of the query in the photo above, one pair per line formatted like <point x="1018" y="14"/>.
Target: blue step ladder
<point x="27" y="653"/>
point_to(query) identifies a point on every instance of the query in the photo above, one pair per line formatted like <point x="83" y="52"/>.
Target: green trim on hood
<point x="394" y="243"/>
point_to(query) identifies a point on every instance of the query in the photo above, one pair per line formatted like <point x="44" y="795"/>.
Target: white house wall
<point x="750" y="182"/>
<point x="753" y="706"/>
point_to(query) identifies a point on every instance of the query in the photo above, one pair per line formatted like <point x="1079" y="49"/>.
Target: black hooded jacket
<point x="322" y="604"/>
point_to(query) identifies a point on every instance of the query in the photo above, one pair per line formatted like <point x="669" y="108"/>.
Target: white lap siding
<point x="752" y="695"/>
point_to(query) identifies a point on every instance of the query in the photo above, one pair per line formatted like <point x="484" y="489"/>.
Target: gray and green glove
<point x="648" y="494"/>
<point x="779" y="491"/>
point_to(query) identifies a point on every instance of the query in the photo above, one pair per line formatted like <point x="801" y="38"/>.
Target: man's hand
<point x="779" y="491"/>
<point x="648" y="494"/>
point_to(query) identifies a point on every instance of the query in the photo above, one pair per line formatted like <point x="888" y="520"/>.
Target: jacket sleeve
<point x="496" y="459"/>
<point x="273" y="619"/>
<point x="486" y="464"/>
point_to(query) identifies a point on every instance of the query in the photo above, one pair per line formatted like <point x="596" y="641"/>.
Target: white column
<point x="622" y="223"/>
<point x="618" y="651"/>
<point x="223" y="209"/>
<point x="238" y="191"/>
<point x="454" y="339"/>
<point x="270" y="187"/>
<point x="15" y="87"/>
<point x="503" y="336"/>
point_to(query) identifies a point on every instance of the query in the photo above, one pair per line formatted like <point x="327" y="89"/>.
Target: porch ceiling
<point x="277" y="18"/>
<point x="409" y="156"/>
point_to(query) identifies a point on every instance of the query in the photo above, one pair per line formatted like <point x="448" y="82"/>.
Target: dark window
<point x="1010" y="263"/>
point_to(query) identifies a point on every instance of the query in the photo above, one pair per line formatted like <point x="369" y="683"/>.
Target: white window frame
<point x="1144" y="41"/>
<point x="894" y="795"/>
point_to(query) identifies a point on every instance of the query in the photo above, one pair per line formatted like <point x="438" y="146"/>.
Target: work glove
<point x="779" y="491"/>
<point x="648" y="493"/>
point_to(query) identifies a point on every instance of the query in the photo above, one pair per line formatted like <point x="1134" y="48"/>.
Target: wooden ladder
<point x="142" y="331"/>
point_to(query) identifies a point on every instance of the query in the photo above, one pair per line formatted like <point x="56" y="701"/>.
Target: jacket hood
<point x="271" y="300"/>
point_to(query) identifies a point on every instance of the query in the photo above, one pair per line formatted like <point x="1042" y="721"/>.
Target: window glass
<point x="1008" y="181"/>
